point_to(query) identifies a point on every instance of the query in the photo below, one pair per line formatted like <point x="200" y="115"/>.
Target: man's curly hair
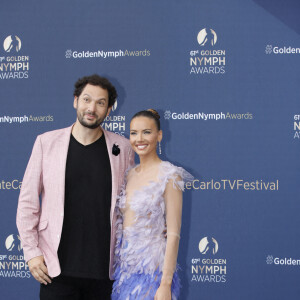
<point x="96" y="80"/>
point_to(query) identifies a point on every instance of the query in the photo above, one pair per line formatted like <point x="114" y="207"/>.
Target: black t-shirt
<point x="84" y="248"/>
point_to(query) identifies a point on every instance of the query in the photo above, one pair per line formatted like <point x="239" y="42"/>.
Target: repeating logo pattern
<point x="68" y="53"/>
<point x="209" y="268"/>
<point x="289" y="50"/>
<point x="269" y="49"/>
<point x="12" y="43"/>
<point x="269" y="259"/>
<point x="12" y="263"/>
<point x="14" y="65"/>
<point x="208" y="245"/>
<point x="206" y="60"/>
<point x="13" y="241"/>
<point x="207" y="37"/>
<point x="167" y="114"/>
<point x="115" y="106"/>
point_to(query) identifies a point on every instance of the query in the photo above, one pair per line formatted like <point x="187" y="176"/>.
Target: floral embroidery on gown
<point x="140" y="252"/>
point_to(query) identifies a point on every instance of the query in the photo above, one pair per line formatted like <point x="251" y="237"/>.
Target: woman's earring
<point x="159" y="148"/>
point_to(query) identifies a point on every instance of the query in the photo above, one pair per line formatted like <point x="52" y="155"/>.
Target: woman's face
<point x="144" y="135"/>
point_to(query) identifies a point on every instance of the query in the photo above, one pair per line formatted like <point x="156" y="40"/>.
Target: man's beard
<point x="88" y="125"/>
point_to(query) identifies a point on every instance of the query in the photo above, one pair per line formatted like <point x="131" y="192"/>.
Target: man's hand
<point x="39" y="270"/>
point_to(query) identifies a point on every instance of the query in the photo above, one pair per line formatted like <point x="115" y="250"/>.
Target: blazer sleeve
<point x="28" y="212"/>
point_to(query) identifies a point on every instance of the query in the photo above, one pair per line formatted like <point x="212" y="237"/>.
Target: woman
<point x="149" y="219"/>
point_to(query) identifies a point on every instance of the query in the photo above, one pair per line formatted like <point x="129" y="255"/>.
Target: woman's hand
<point x="163" y="292"/>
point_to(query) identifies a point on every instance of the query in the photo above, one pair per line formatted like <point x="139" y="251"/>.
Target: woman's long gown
<point x="147" y="250"/>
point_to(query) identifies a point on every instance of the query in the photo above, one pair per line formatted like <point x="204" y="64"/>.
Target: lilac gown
<point x="140" y="248"/>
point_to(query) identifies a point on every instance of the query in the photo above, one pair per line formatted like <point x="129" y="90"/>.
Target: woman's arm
<point x="173" y="204"/>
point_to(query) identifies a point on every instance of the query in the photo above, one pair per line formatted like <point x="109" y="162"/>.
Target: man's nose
<point x="92" y="106"/>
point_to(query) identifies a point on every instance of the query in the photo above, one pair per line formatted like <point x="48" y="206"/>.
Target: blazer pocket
<point x="42" y="225"/>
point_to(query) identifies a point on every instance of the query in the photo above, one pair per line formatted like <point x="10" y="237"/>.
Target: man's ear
<point x="108" y="111"/>
<point x="75" y="103"/>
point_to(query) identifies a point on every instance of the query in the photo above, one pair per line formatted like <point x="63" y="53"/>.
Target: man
<point x="69" y="238"/>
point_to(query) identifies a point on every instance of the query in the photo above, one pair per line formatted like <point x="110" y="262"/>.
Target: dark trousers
<point x="73" y="288"/>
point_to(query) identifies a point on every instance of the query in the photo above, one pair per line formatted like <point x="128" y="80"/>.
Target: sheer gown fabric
<point x="144" y="254"/>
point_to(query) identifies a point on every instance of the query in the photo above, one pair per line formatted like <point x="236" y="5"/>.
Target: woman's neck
<point x="148" y="161"/>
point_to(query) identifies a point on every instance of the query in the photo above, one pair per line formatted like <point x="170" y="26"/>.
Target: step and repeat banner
<point x="224" y="76"/>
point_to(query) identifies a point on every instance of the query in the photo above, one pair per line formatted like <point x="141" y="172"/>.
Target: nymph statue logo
<point x="12" y="43"/>
<point x="207" y="37"/>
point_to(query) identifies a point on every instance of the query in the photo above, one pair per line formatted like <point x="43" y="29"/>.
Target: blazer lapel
<point x="64" y="142"/>
<point x="114" y="165"/>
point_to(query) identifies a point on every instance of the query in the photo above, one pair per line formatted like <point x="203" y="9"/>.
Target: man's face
<point x="92" y="106"/>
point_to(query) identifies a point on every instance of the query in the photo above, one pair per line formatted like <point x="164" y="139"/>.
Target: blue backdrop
<point x="224" y="75"/>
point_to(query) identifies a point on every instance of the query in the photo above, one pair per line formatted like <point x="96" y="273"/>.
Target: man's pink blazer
<point x="40" y="222"/>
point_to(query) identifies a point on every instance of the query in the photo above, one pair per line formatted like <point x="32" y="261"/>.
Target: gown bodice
<point x="142" y="244"/>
